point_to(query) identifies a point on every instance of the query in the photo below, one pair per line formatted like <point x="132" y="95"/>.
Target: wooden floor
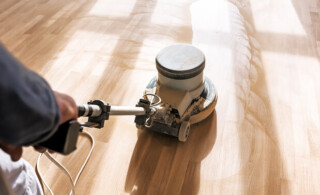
<point x="263" y="57"/>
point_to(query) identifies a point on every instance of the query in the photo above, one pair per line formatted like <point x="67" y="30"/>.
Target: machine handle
<point x="64" y="141"/>
<point x="91" y="110"/>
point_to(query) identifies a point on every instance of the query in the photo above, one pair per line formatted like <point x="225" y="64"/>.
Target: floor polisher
<point x="179" y="96"/>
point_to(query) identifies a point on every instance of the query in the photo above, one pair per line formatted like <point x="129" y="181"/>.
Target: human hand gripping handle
<point x="67" y="106"/>
<point x="65" y="139"/>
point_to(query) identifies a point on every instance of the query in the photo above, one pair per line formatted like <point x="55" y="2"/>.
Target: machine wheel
<point x="184" y="131"/>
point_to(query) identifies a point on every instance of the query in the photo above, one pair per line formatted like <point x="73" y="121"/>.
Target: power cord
<point x="60" y="166"/>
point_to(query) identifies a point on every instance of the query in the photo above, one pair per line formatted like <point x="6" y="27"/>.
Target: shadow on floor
<point x="162" y="165"/>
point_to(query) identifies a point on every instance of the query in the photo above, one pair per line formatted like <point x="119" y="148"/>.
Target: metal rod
<point x="88" y="110"/>
<point x="127" y="110"/>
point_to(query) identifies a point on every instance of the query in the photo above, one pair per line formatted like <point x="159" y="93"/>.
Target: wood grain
<point x="263" y="57"/>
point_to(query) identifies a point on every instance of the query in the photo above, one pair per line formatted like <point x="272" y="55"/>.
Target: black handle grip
<point x="64" y="141"/>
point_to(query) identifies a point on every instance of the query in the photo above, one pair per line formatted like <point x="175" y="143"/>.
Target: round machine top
<point x="180" y="61"/>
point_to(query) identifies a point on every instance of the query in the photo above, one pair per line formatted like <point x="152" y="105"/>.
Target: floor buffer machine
<point x="179" y="96"/>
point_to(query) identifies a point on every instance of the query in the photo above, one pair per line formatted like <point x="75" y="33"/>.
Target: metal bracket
<point x="141" y="120"/>
<point x="105" y="109"/>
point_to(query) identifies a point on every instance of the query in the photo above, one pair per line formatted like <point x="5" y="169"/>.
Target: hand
<point x="68" y="107"/>
<point x="14" y="151"/>
<point x="68" y="111"/>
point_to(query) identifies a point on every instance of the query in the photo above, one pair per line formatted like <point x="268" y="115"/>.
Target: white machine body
<point x="185" y="95"/>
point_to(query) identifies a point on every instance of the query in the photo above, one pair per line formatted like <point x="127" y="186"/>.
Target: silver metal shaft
<point x="127" y="110"/>
<point x="89" y="110"/>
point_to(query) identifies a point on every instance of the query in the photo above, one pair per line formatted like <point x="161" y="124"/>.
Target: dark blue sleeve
<point x="29" y="113"/>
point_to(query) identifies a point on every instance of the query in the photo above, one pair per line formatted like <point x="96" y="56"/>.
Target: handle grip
<point x="64" y="141"/>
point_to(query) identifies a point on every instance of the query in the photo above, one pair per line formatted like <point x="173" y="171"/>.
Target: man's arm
<point x="29" y="110"/>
